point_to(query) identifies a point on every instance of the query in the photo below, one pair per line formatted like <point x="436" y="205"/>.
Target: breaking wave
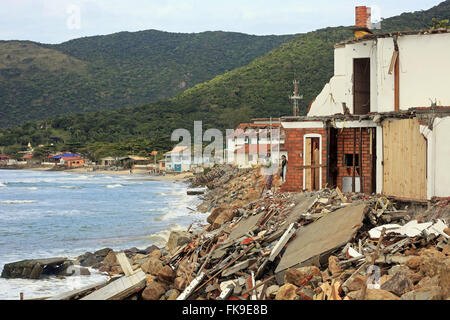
<point x="18" y="201"/>
<point x="112" y="186"/>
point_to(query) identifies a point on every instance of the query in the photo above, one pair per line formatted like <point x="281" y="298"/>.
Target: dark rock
<point x="154" y="291"/>
<point x="103" y="252"/>
<point x="33" y="269"/>
<point x="89" y="259"/>
<point x="36" y="272"/>
<point x="166" y="274"/>
<point x="399" y="284"/>
<point x="150" y="249"/>
<point x="85" y="272"/>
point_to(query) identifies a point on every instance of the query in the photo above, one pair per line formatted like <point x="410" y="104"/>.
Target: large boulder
<point x="166" y="274"/>
<point x="110" y="259"/>
<point x="219" y="216"/>
<point x="33" y="269"/>
<point x="176" y="239"/>
<point x="154" y="291"/>
<point x="152" y="265"/>
<point x="432" y="261"/>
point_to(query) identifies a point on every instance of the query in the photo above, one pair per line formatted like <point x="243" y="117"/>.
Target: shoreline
<point x="181" y="177"/>
<point x="138" y="175"/>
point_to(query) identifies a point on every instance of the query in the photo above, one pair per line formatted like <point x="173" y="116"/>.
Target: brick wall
<point x="294" y="145"/>
<point x="345" y="144"/>
<point x="362" y="17"/>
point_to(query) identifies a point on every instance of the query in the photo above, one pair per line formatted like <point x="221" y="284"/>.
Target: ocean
<point x="60" y="214"/>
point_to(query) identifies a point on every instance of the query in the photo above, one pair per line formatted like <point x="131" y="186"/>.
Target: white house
<point x="382" y="123"/>
<point x="178" y="160"/>
<point x="251" y="142"/>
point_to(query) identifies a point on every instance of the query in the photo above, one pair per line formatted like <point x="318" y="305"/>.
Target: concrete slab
<point x="318" y="238"/>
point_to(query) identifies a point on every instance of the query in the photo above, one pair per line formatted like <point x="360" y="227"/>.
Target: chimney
<point x="363" y="16"/>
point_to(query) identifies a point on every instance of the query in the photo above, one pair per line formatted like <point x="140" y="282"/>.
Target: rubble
<point x="322" y="245"/>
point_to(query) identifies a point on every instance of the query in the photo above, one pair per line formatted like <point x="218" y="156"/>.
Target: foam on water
<point x="113" y="186"/>
<point x="18" y="201"/>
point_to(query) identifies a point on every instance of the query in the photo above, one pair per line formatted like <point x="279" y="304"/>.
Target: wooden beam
<point x="120" y="288"/>
<point x="354" y="160"/>
<point x="281" y="243"/>
<point x="70" y="294"/>
<point x="125" y="264"/>
<point x="397" y="85"/>
<point x="191" y="287"/>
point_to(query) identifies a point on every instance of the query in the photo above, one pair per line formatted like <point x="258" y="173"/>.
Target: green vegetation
<point x="38" y="81"/>
<point x="259" y="89"/>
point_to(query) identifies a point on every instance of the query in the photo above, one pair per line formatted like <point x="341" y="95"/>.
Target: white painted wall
<point x="438" y="158"/>
<point x="424" y="68"/>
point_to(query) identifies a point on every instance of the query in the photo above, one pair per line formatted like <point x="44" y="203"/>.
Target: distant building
<point x="4" y="158"/>
<point x="250" y="143"/>
<point x="71" y="160"/>
<point x="178" y="160"/>
<point x="162" y="165"/>
<point x="112" y="161"/>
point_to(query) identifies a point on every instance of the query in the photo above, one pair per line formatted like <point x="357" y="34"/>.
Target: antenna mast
<point x="296" y="98"/>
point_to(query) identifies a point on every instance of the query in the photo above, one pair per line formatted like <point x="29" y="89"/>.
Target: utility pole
<point x="296" y="98"/>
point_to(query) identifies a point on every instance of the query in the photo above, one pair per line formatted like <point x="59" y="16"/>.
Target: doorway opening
<point x="312" y="163"/>
<point x="361" y="86"/>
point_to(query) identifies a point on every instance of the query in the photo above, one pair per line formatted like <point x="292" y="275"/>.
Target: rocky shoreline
<point x="284" y="246"/>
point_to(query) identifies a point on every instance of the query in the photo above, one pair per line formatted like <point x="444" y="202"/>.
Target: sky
<point x="56" y="21"/>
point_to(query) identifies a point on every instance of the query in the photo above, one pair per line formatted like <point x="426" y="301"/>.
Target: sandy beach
<point x="143" y="174"/>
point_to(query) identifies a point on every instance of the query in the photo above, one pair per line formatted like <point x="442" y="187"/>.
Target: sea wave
<point x="18" y="201"/>
<point x="112" y="186"/>
<point x="32" y="188"/>
<point x="160" y="238"/>
<point x="69" y="187"/>
<point x="2" y="185"/>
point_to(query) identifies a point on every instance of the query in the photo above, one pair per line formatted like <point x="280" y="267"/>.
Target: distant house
<point x="162" y="165"/>
<point x="111" y="161"/>
<point x="138" y="161"/>
<point x="4" y="158"/>
<point x="71" y="160"/>
<point x="251" y="142"/>
<point x="177" y="160"/>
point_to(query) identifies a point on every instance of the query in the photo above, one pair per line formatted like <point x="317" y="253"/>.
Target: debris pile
<point x="283" y="246"/>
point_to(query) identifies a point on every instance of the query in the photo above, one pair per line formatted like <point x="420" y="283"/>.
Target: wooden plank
<point x="124" y="264"/>
<point x="191" y="287"/>
<point x="70" y="294"/>
<point x="120" y="288"/>
<point x="282" y="242"/>
<point x="341" y="196"/>
<point x="308" y="157"/>
<point x="405" y="160"/>
<point x="393" y="62"/>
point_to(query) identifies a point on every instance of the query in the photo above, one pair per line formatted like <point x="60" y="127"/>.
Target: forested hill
<point x="38" y="81"/>
<point x="260" y="88"/>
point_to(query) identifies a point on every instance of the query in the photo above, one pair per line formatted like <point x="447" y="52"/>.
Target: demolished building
<point x="382" y="123"/>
